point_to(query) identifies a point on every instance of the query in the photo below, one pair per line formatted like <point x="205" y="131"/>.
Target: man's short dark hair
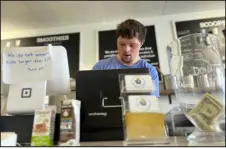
<point x="131" y="28"/>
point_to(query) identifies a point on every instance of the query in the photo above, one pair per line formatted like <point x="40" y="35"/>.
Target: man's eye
<point x="132" y="46"/>
<point x="122" y="44"/>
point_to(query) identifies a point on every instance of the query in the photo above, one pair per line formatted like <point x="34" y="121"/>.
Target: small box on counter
<point x="43" y="127"/>
<point x="8" y="139"/>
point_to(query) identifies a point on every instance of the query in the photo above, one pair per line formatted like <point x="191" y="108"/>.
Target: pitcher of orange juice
<point x="142" y="118"/>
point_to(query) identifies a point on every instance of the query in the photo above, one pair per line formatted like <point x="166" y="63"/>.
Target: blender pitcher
<point x="198" y="78"/>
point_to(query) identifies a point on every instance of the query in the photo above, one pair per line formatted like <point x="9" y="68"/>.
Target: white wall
<point x="88" y="40"/>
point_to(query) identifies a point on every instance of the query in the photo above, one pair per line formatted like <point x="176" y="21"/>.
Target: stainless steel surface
<point x="72" y="84"/>
<point x="3" y="104"/>
<point x="168" y="82"/>
<point x="56" y="100"/>
<point x="177" y="122"/>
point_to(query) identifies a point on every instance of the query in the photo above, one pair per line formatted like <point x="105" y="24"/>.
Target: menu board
<point x="215" y="26"/>
<point x="194" y="26"/>
<point x="69" y="41"/>
<point x="148" y="52"/>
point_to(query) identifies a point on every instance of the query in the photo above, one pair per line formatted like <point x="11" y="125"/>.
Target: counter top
<point x="173" y="141"/>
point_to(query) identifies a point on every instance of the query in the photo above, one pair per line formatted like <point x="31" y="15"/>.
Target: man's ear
<point x="142" y="42"/>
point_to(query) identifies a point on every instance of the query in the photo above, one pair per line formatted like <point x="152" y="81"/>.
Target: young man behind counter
<point x="130" y="36"/>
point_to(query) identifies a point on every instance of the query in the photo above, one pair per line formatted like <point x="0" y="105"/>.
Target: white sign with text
<point x="27" y="64"/>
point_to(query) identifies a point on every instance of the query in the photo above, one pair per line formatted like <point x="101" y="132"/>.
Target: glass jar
<point x="198" y="78"/>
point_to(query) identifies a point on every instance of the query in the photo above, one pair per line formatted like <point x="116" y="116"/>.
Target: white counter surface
<point x="173" y="141"/>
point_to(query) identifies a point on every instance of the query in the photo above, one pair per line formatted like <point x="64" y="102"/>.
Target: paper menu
<point x="33" y="64"/>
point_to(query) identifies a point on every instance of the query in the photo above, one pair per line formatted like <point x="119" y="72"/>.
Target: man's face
<point x="128" y="49"/>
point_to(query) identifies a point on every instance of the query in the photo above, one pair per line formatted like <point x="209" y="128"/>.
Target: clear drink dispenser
<point x="199" y="83"/>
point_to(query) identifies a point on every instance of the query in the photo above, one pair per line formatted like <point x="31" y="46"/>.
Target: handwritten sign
<point x="27" y="64"/>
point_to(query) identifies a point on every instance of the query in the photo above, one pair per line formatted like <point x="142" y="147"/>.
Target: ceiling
<point x="23" y="15"/>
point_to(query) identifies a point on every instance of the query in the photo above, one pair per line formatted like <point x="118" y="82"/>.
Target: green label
<point x="41" y="141"/>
